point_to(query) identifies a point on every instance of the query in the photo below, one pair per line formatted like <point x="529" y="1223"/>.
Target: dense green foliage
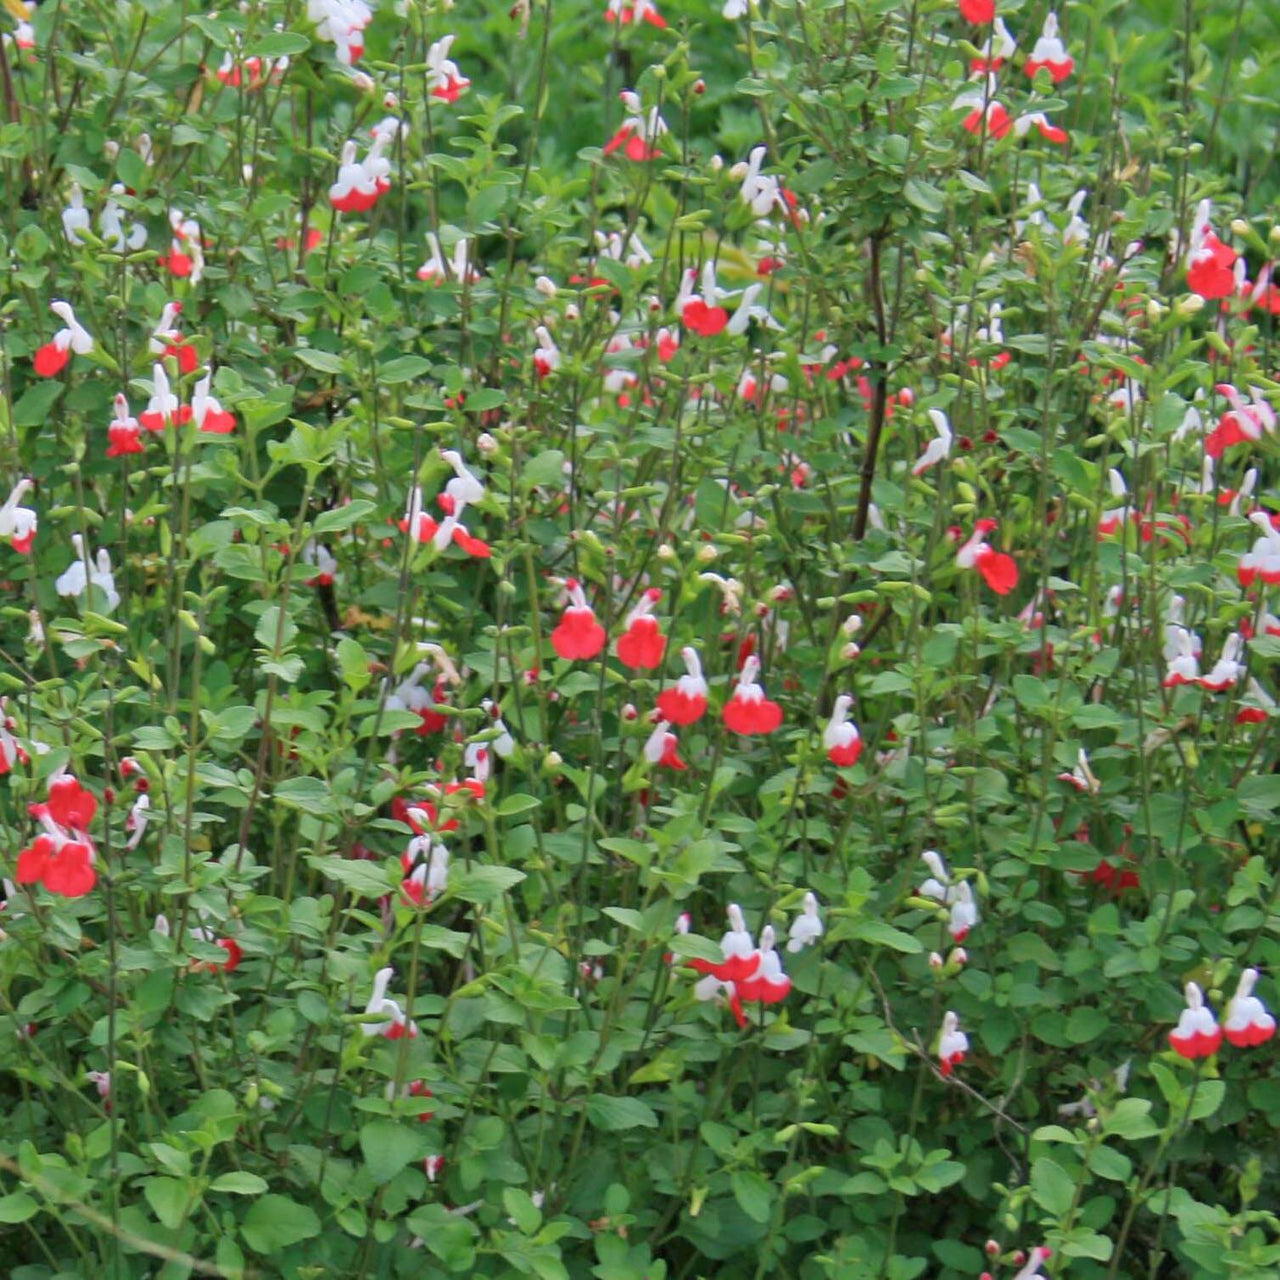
<point x="267" y="676"/>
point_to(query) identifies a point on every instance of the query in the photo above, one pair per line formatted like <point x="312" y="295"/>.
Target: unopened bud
<point x="111" y="148"/>
<point x="716" y="164"/>
<point x="1191" y="305"/>
<point x="906" y="397"/>
<point x="390" y="102"/>
<point x="699" y="86"/>
<point x="546" y="286"/>
<point x="1154" y="310"/>
<point x="992" y="1248"/>
<point x="666" y="553"/>
<point x="486" y="444"/>
<point x="739" y="171"/>
<point x="1274" y="235"/>
<point x="958" y="956"/>
<point x="935" y="960"/>
<point x="655" y="305"/>
<point x="362" y="81"/>
<point x="850" y="651"/>
<point x="707" y="553"/>
<point x="629" y="711"/>
<point x="551" y="762"/>
<point x="571" y="312"/>
<point x="1240" y="227"/>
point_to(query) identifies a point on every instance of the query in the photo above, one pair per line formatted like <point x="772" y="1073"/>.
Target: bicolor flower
<point x="702" y="312"/>
<point x="465" y="488"/>
<point x="939" y="448"/>
<point x="1030" y="1270"/>
<point x="1263" y="560"/>
<point x="1247" y="1022"/>
<point x="135" y="824"/>
<point x="1197" y="1034"/>
<point x="1082" y="776"/>
<point x="341" y="22"/>
<point x="1184" y="668"/>
<point x="748" y="711"/>
<point x="163" y="409"/>
<point x="767" y="983"/>
<point x="62" y="857"/>
<point x="123" y="433"/>
<point x="1244" y="423"/>
<point x="739" y="956"/>
<point x="760" y="192"/>
<point x="317" y="554"/>
<point x="687" y="702"/>
<point x="964" y="912"/>
<point x="1257" y="706"/>
<point x="426" y="863"/>
<point x="953" y="1044"/>
<point x="1228" y="670"/>
<point x="639" y="132"/>
<point x="393" y="1024"/>
<point x="1114" y="517"/>
<point x="998" y="49"/>
<point x="411" y="695"/>
<point x="841" y="739"/>
<point x="444" y="79"/>
<point x="1209" y="261"/>
<point x="1000" y="571"/>
<point x="634" y="12"/>
<point x="749" y="310"/>
<point x="18" y="524"/>
<point x="441" y="269"/>
<point x="938" y="886"/>
<point x="166" y="340"/>
<point x="360" y="184"/>
<point x="578" y="635"/>
<point x="546" y="358"/>
<point x="208" y="414"/>
<point x="54" y="356"/>
<point x="982" y="111"/>
<point x="1049" y="52"/>
<point x="662" y="748"/>
<point x="807" y="927"/>
<point x="642" y="645"/>
<point x="1049" y="131"/>
<point x="186" y="236"/>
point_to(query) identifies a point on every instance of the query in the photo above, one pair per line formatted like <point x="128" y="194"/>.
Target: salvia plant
<point x="636" y="639"/>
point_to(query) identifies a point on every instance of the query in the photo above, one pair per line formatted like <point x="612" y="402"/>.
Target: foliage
<point x="330" y="751"/>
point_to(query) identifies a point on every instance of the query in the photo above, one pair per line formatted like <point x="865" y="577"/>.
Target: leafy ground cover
<point x="637" y="641"/>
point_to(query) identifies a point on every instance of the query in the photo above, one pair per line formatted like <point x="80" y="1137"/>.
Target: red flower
<point x="1197" y="1034"/>
<point x="578" y="634"/>
<point x="841" y="738"/>
<point x="70" y="805"/>
<point x="642" y="646"/>
<point x="708" y="321"/>
<point x="687" y="702"/>
<point x="748" y="711"/>
<point x="999" y="570"/>
<point x="978" y="11"/>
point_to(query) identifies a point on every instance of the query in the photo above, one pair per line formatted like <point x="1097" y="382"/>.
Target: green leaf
<point x="388" y="1147"/>
<point x="17" y="1207"/>
<point x="276" y="1222"/>
<point x="279" y="44"/>
<point x="309" y="794"/>
<point x="342" y="517"/>
<point x="1131" y="1120"/>
<point x="923" y="195"/>
<point x="168" y="1198"/>
<point x="239" y="1183"/>
<point x="403" y="369"/>
<point x="612" y="1114"/>
<point x="482" y="885"/>
<point x="1052" y="1187"/>
<point x="547" y="468"/>
<point x="754" y="1194"/>
<point x="518" y="803"/>
<point x="1208" y="1099"/>
<point x="877" y="932"/>
<point x="519" y="1205"/>
<point x="363" y="878"/>
<point x="322" y="361"/>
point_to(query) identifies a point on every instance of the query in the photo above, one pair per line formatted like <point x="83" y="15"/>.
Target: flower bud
<point x="906" y="397"/>
<point x="1274" y="235"/>
<point x="486" y="444"/>
<point x="390" y="102"/>
<point x="707" y="553"/>
<point x="1154" y="310"/>
<point x="545" y="286"/>
<point x="850" y="651"/>
<point x="571" y="312"/>
<point x="992" y="1248"/>
<point x="935" y="960"/>
<point x="959" y="956"/>
<point x="716" y="164"/>
<point x="739" y="171"/>
<point x="362" y="81"/>
<point x="629" y="711"/>
<point x="552" y="762"/>
<point x="1191" y="305"/>
<point x="666" y="553"/>
<point x="111" y="148"/>
<point x="699" y="86"/>
<point x="1240" y="227"/>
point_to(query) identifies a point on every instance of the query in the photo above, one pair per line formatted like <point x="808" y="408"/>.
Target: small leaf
<point x="388" y="1147"/>
<point x="275" y="1222"/>
<point x="239" y="1183"/>
<point x="613" y="1114"/>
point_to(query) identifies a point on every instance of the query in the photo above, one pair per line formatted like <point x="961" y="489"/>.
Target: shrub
<point x="487" y="510"/>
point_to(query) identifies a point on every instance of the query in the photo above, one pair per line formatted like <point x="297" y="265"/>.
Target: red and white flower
<point x="642" y="645"/>
<point x="1184" y="668"/>
<point x="1082" y="776"/>
<point x="546" y="357"/>
<point x="634" y="12"/>
<point x="62" y="857"/>
<point x="1263" y="560"/>
<point x="1049" y="52"/>
<point x="1244" y="423"/>
<point x="441" y="269"/>
<point x="1257" y="706"/>
<point x="1049" y="131"/>
<point x="578" y="635"/>
<point x="841" y="739"/>
<point x="444" y="79"/>
<point x="166" y="340"/>
<point x="1114" y="517"/>
<point x="939" y="448"/>
<point x="1228" y="670"/>
<point x="638" y="134"/>
<point x="163" y="409"/>
<point x="687" y="702"/>
<point x="662" y="748"/>
<point x="702" y="312"/>
<point x="342" y="22"/>
<point x="393" y="1024"/>
<point x="748" y="711"/>
<point x="953" y="1044"/>
<point x="18" y="524"/>
<point x="360" y="184"/>
<point x="1000" y="46"/>
<point x="964" y="912"/>
<point x="1247" y="1022"/>
<point x="207" y="412"/>
<point x="1000" y="571"/>
<point x="1197" y="1034"/>
<point x="982" y="112"/>
<point x="1209" y="261"/>
<point x="54" y="356"/>
<point x="75" y="217"/>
